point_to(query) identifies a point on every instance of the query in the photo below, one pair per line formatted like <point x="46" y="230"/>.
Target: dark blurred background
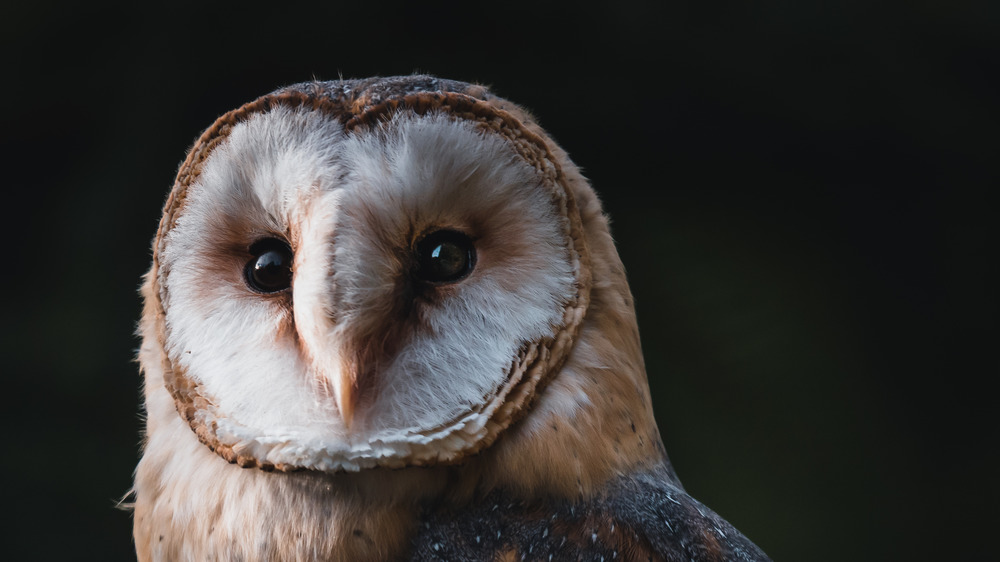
<point x="797" y="189"/>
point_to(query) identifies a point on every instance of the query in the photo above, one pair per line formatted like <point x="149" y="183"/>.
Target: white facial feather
<point x="433" y="172"/>
<point x="352" y="206"/>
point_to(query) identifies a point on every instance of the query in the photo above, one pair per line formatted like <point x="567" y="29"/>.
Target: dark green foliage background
<point x="797" y="190"/>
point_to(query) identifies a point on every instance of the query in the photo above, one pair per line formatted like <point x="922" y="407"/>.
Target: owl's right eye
<point x="270" y="270"/>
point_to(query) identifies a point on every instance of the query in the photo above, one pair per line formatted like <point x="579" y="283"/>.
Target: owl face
<point x="388" y="287"/>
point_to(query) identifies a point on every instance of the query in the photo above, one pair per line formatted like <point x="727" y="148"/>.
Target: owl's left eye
<point x="445" y="256"/>
<point x="270" y="270"/>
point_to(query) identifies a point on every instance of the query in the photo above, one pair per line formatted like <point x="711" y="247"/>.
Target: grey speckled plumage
<point x="643" y="516"/>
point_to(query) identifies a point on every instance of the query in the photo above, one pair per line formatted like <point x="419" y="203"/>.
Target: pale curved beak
<point x="345" y="392"/>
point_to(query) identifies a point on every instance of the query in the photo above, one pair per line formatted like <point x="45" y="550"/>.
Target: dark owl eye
<point x="445" y="256"/>
<point x="270" y="270"/>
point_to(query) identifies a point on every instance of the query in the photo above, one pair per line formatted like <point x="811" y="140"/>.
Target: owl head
<point x="386" y="273"/>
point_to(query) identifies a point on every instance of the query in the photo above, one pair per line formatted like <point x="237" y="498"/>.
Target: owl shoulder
<point x="642" y="516"/>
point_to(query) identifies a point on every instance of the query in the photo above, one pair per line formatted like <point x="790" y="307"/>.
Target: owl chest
<point x="255" y="520"/>
<point x="307" y="519"/>
<point x="504" y="530"/>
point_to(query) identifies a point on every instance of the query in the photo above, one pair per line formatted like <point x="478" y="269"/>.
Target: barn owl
<point x="386" y="320"/>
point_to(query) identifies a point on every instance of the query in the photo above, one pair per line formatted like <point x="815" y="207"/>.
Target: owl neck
<point x="592" y="422"/>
